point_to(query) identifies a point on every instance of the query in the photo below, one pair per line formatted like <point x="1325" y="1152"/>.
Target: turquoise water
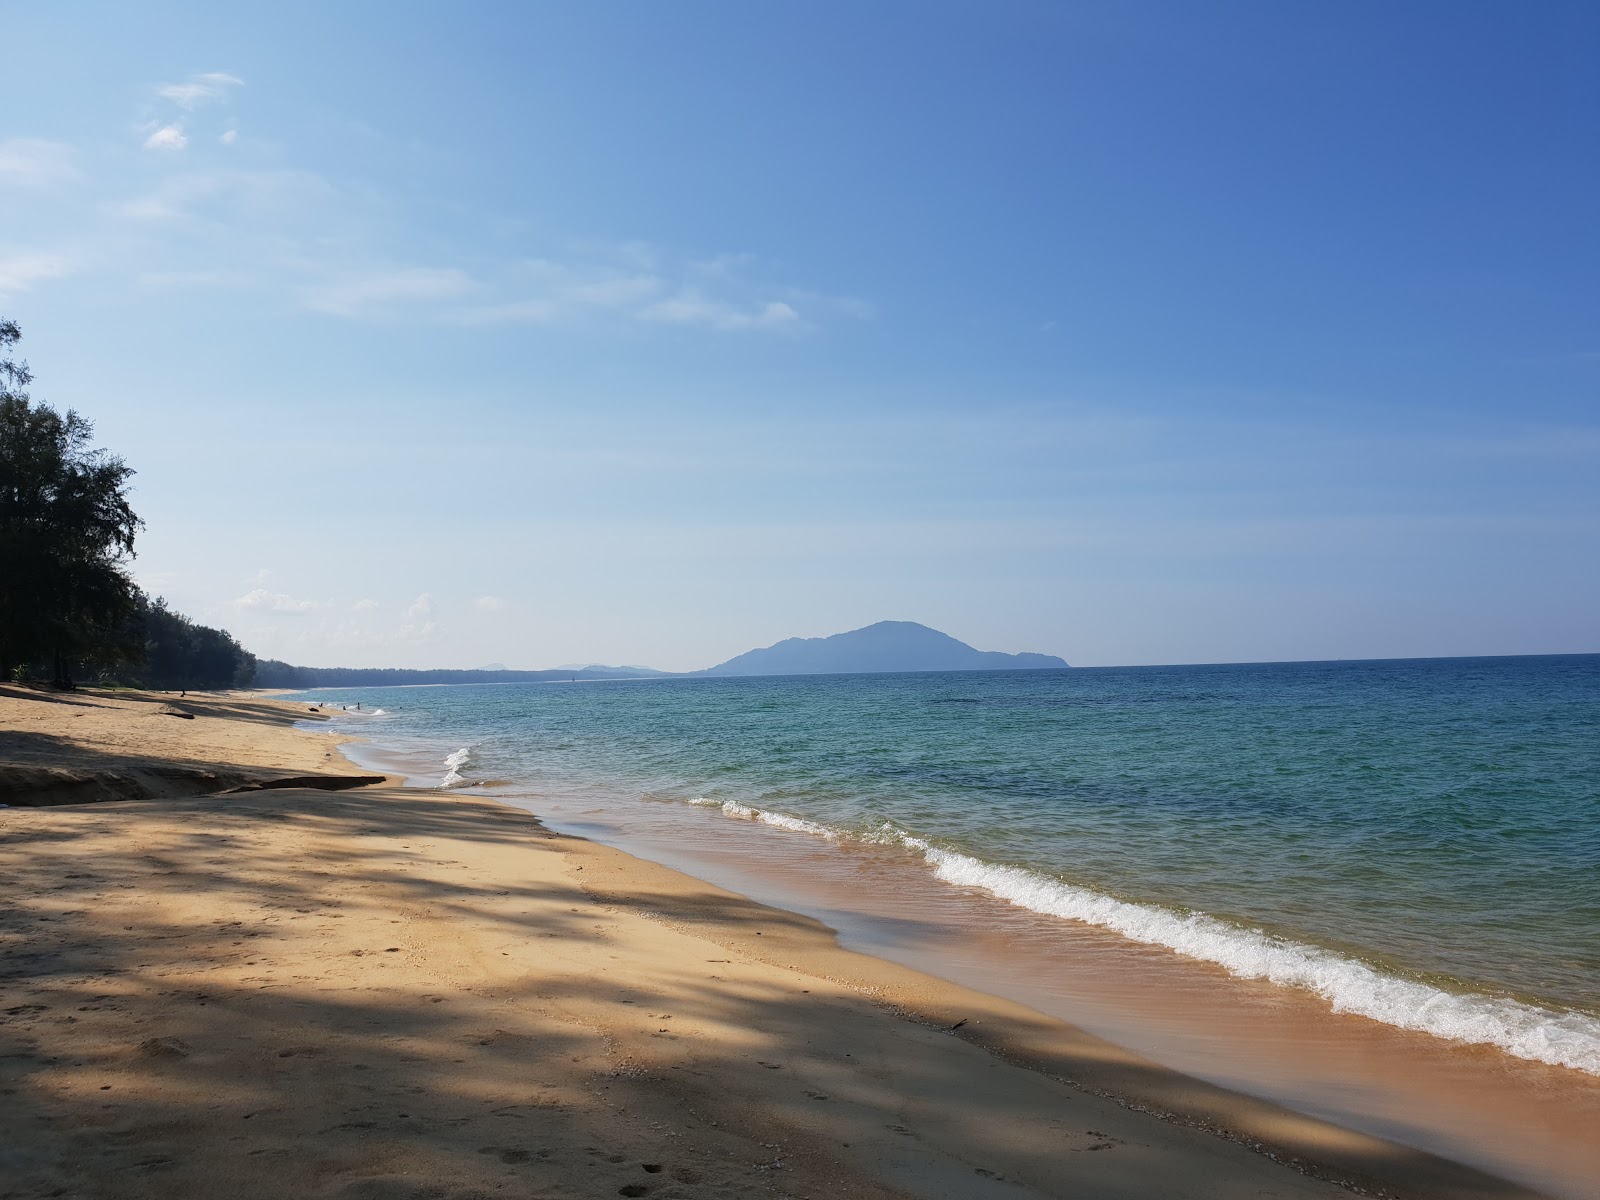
<point x="1415" y="841"/>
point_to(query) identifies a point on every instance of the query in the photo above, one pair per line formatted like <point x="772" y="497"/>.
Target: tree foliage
<point x="67" y="533"/>
<point x="178" y="653"/>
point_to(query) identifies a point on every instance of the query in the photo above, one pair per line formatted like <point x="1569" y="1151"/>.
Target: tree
<point x="178" y="653"/>
<point x="66" y="533"/>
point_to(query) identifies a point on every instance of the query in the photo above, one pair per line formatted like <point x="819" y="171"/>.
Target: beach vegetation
<point x="180" y="653"/>
<point x="67" y="530"/>
<point x="68" y="604"/>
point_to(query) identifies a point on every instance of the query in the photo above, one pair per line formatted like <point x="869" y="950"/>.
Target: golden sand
<point x="382" y="993"/>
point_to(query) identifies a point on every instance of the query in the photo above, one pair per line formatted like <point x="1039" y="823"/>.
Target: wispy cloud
<point x="20" y="272"/>
<point x="488" y="604"/>
<point x="211" y="222"/>
<point x="260" y="599"/>
<point x="547" y="291"/>
<point x="420" y="625"/>
<point x="374" y="293"/>
<point x="174" y="199"/>
<point x="690" y="308"/>
<point x="168" y="138"/>
<point x="199" y="90"/>
<point x="634" y="282"/>
<point x="35" y="163"/>
<point x="247" y="201"/>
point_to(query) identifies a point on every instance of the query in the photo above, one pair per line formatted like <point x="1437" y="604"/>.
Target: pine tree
<point x="66" y="533"/>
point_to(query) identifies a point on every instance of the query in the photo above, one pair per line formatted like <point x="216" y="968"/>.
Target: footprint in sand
<point x="164" y="1047"/>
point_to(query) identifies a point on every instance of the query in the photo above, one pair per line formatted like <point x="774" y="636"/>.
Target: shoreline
<point x="475" y="881"/>
<point x="1516" y="1118"/>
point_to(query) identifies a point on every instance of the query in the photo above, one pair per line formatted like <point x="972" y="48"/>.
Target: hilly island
<point x="874" y="649"/>
<point x="886" y="646"/>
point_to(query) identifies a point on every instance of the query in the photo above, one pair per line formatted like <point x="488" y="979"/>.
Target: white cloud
<point x="420" y="625"/>
<point x="229" y="137"/>
<point x="488" y="604"/>
<point x="359" y="297"/>
<point x="200" y="90"/>
<point x="168" y="137"/>
<point x="263" y="600"/>
<point x="568" y="290"/>
<point x="365" y="605"/>
<point x="21" y="271"/>
<point x="246" y="200"/>
<point x="689" y="308"/>
<point x="640" y="283"/>
<point x="35" y="163"/>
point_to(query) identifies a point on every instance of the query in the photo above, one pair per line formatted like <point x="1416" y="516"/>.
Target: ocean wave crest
<point x="1348" y="985"/>
<point x="453" y="763"/>
<point x="732" y="808"/>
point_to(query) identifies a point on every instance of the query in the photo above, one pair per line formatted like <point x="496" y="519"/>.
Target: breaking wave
<point x="1349" y="985"/>
<point x="453" y="764"/>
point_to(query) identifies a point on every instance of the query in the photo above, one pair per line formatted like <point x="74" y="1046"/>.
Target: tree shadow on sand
<point x="310" y="1028"/>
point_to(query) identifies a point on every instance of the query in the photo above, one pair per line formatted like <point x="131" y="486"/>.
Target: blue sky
<point x="447" y="334"/>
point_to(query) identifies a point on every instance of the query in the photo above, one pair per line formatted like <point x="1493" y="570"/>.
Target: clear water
<point x="1414" y="841"/>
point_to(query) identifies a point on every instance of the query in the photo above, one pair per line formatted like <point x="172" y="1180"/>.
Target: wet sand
<point x="1526" y="1120"/>
<point x="391" y="993"/>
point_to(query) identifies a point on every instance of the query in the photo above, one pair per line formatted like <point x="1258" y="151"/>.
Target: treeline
<point x="69" y="610"/>
<point x="154" y="647"/>
<point x="180" y="653"/>
<point x="270" y="673"/>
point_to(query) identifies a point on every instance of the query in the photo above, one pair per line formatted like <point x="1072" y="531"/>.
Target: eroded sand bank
<point x="384" y="992"/>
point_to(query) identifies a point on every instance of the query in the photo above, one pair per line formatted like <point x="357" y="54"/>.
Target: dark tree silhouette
<point x="66" y="532"/>
<point x="181" y="654"/>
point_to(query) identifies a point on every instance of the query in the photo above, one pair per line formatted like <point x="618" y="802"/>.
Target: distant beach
<point x="382" y="991"/>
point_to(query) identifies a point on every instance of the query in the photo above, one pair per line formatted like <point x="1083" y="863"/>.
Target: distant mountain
<point x="886" y="646"/>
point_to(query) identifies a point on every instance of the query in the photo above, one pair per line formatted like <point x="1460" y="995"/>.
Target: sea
<point x="1360" y="888"/>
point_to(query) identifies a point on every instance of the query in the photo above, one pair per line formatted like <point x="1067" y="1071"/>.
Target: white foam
<point x="455" y="761"/>
<point x="892" y="835"/>
<point x="1566" y="1039"/>
<point x="732" y="808"/>
<point x="797" y="824"/>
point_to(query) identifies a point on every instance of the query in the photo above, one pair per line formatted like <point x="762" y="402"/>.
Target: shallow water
<point x="1282" y="846"/>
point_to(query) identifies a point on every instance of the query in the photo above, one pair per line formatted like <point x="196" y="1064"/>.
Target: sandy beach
<point x="232" y="963"/>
